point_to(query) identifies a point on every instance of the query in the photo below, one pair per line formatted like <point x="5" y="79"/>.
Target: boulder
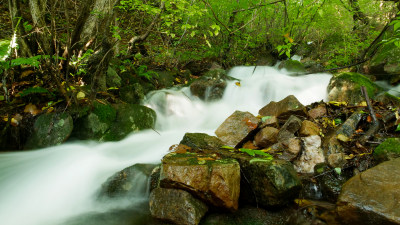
<point x="49" y="130"/>
<point x="129" y="182"/>
<point x="269" y="183"/>
<point x="94" y="125"/>
<point x="388" y="150"/>
<point x="130" y="118"/>
<point x="372" y="197"/>
<point x="266" y="137"/>
<point x="166" y="79"/>
<point x="132" y="94"/>
<point x="346" y="87"/>
<point x="309" y="128"/>
<point x="210" y="86"/>
<point x="201" y="141"/>
<point x="312" y="155"/>
<point x="237" y="127"/>
<point x="292" y="66"/>
<point x="177" y="206"/>
<point x="284" y="108"/>
<point x="215" y="181"/>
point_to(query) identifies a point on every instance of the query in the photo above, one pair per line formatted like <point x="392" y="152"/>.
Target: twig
<point x="375" y="123"/>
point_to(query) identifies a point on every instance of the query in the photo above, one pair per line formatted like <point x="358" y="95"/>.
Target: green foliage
<point x="253" y="152"/>
<point x="142" y="71"/>
<point x="34" y="90"/>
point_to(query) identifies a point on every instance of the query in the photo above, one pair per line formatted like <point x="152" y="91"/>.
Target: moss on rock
<point x="388" y="150"/>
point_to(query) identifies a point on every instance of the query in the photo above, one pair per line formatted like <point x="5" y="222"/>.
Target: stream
<point x="59" y="185"/>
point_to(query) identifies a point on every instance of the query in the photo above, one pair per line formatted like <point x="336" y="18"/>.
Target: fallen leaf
<point x="32" y="109"/>
<point x="237" y="84"/>
<point x="26" y="73"/>
<point x="369" y="119"/>
<point x="16" y="120"/>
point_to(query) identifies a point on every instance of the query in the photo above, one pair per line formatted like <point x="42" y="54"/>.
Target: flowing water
<point x="54" y="185"/>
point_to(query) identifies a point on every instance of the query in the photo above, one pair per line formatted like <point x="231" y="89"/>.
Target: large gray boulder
<point x="177" y="206"/>
<point x="50" y="129"/>
<point x="372" y="197"/>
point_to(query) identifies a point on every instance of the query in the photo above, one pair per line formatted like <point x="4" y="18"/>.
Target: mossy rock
<point x="389" y="149"/>
<point x="112" y="78"/>
<point x="201" y="141"/>
<point x="210" y="86"/>
<point x="132" y="93"/>
<point x="50" y="129"/>
<point x="347" y="87"/>
<point x="292" y="66"/>
<point x="386" y="60"/>
<point x="96" y="123"/>
<point x="388" y="99"/>
<point x="130" y="118"/>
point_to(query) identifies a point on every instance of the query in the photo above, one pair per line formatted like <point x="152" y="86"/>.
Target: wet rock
<point x="317" y="112"/>
<point x="129" y="182"/>
<point x="201" y="141"/>
<point x="347" y="129"/>
<point x="309" y="128"/>
<point x="329" y="181"/>
<point x="345" y="87"/>
<point x="236" y="127"/>
<point x="215" y="181"/>
<point x="388" y="99"/>
<point x="266" y="137"/>
<point x="130" y="118"/>
<point x="388" y="150"/>
<point x="312" y="155"/>
<point x="372" y="197"/>
<point x="269" y="183"/>
<point x="331" y="144"/>
<point x="292" y="66"/>
<point x="49" y="130"/>
<point x="266" y="60"/>
<point x="155" y="178"/>
<point x="112" y="78"/>
<point x="177" y="206"/>
<point x="211" y="86"/>
<point x="284" y="108"/>
<point x="132" y="94"/>
<point x="96" y="123"/>
<point x="294" y="146"/>
<point x="288" y="130"/>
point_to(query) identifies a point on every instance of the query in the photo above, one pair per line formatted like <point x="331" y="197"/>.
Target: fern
<point x="34" y="90"/>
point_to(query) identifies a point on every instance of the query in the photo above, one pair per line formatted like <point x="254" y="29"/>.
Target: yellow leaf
<point x="80" y="95"/>
<point x="32" y="109"/>
<point x="238" y="83"/>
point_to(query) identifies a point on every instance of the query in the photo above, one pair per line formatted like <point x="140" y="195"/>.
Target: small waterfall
<point x="50" y="186"/>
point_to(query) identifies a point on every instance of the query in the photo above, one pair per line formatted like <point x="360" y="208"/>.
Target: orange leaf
<point x="359" y="131"/>
<point x="369" y="119"/>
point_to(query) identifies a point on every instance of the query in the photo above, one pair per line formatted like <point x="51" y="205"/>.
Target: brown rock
<point x="294" y="146"/>
<point x="284" y="108"/>
<point x="337" y="160"/>
<point x="216" y="181"/>
<point x="309" y="128"/>
<point x="269" y="121"/>
<point x="266" y="137"/>
<point x="372" y="197"/>
<point x="288" y="130"/>
<point x="236" y="127"/>
<point x="317" y="112"/>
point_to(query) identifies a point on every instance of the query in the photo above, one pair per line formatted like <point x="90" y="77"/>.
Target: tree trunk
<point x="43" y="34"/>
<point x="18" y="30"/>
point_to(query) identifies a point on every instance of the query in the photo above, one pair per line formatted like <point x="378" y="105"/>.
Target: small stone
<point x="269" y="121"/>
<point x="311" y="155"/>
<point x="288" y="130"/>
<point x="337" y="160"/>
<point x="317" y="112"/>
<point x="294" y="146"/>
<point x="266" y="137"/>
<point x="309" y="128"/>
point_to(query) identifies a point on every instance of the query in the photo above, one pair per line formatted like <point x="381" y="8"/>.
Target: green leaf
<point x="338" y="170"/>
<point x="248" y="151"/>
<point x="260" y="160"/>
<point x="398" y="128"/>
<point x="265" y="118"/>
<point x="227" y="147"/>
<point x="34" y="90"/>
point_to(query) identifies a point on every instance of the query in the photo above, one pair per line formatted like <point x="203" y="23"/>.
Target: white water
<point x="50" y="186"/>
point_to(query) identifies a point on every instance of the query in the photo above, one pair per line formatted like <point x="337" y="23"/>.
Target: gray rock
<point x="50" y="129"/>
<point x="372" y="197"/>
<point x="236" y="127"/>
<point x="177" y="206"/>
<point x="288" y="130"/>
<point x="128" y="183"/>
<point x="133" y="93"/>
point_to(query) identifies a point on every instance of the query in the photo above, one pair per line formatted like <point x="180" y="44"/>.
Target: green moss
<point x="106" y="113"/>
<point x="360" y="80"/>
<point x="390" y="148"/>
<point x="292" y="66"/>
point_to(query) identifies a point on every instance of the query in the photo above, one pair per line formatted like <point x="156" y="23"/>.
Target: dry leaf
<point x="32" y="109"/>
<point x="16" y="120"/>
<point x="26" y="73"/>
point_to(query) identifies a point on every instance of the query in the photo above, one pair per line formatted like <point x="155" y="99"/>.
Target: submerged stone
<point x="177" y="206"/>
